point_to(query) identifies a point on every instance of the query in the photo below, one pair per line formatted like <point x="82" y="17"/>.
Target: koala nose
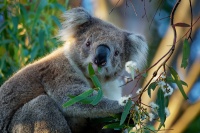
<point x="101" y="55"/>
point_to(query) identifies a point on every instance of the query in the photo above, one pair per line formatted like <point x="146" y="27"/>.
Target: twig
<point x="155" y="13"/>
<point x="145" y="13"/>
<point x="188" y="29"/>
<point x="114" y="7"/>
<point x="191" y="22"/>
<point x="164" y="18"/>
<point x="133" y="7"/>
<point x="169" y="53"/>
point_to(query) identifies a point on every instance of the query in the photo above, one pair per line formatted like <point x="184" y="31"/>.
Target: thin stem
<point x="133" y="7"/>
<point x="191" y="22"/>
<point x="114" y="7"/>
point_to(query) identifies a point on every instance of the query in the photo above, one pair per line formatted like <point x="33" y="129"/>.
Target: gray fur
<point x="31" y="100"/>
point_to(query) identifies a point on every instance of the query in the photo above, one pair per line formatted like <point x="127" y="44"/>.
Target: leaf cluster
<point x="27" y="32"/>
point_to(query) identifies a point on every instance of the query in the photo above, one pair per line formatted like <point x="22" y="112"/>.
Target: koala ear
<point x="136" y="49"/>
<point x="72" y="20"/>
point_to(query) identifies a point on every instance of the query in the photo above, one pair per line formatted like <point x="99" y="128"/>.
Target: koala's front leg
<point x="104" y="108"/>
<point x="37" y="116"/>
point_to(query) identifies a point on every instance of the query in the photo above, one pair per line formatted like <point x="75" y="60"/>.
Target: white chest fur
<point x="112" y="90"/>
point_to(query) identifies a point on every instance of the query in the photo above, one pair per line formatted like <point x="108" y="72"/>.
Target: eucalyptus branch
<point x="189" y="29"/>
<point x="170" y="52"/>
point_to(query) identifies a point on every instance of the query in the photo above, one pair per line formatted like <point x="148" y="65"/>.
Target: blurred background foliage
<point x="27" y="32"/>
<point x="28" y="29"/>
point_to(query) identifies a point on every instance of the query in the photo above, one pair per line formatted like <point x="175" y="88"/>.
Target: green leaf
<point x="78" y="98"/>
<point x="41" y="38"/>
<point x="171" y="80"/>
<point x="178" y="82"/>
<point x="126" y="111"/>
<point x="34" y="53"/>
<point x="166" y="101"/>
<point x="113" y="125"/>
<point x="90" y="69"/>
<point x="15" y="21"/>
<point x="184" y="83"/>
<point x="161" y="110"/>
<point x="151" y="86"/>
<point x="98" y="97"/>
<point x="60" y="7"/>
<point x="93" y="77"/>
<point x="42" y="4"/>
<point x="87" y="100"/>
<point x="57" y="22"/>
<point x="186" y="54"/>
<point x="3" y="26"/>
<point x="24" y="13"/>
<point x="95" y="81"/>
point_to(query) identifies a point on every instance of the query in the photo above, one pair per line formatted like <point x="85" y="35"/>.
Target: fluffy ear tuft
<point x="137" y="48"/>
<point x="72" y="19"/>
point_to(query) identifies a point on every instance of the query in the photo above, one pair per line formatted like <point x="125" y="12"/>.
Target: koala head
<point x="101" y="43"/>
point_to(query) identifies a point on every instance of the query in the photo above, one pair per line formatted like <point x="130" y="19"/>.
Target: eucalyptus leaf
<point x="95" y="81"/>
<point x="171" y="80"/>
<point x="161" y="110"/>
<point x="87" y="100"/>
<point x="56" y="20"/>
<point x="41" y="38"/>
<point x="15" y="21"/>
<point x="24" y="14"/>
<point x="126" y="111"/>
<point x="60" y="7"/>
<point x="90" y="69"/>
<point x="178" y="82"/>
<point x="113" y="125"/>
<point x="186" y="54"/>
<point x="166" y="101"/>
<point x="98" y="98"/>
<point x="3" y="26"/>
<point x="152" y="86"/>
<point x="78" y="98"/>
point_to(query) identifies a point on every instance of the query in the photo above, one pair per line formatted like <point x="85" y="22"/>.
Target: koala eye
<point x="88" y="44"/>
<point x="116" y="53"/>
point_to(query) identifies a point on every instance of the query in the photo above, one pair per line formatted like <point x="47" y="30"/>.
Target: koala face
<point x="100" y="43"/>
<point x="103" y="46"/>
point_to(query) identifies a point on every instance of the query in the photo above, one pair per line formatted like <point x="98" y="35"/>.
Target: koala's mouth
<point x="103" y="63"/>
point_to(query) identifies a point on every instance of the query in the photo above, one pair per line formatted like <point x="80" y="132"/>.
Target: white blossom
<point x="167" y="112"/>
<point x="166" y="88"/>
<point x="143" y="116"/>
<point x="151" y="116"/>
<point x="154" y="107"/>
<point x="168" y="91"/>
<point x="163" y="76"/>
<point x="123" y="100"/>
<point x="130" y="65"/>
<point x="127" y="79"/>
<point x="139" y="91"/>
<point x="136" y="108"/>
<point x="161" y="84"/>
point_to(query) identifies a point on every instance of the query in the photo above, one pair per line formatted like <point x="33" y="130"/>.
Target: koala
<point x="31" y="100"/>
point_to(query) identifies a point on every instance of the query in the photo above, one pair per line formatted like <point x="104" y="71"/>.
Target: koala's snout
<point x="101" y="55"/>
